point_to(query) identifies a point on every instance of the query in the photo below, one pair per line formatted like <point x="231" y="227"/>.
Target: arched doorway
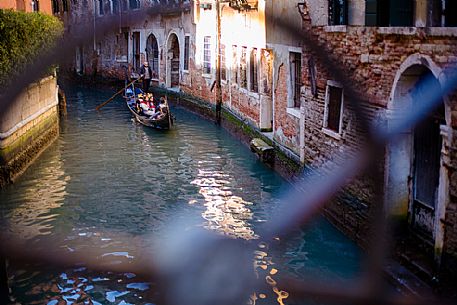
<point x="152" y="54"/>
<point x="414" y="161"/>
<point x="173" y="61"/>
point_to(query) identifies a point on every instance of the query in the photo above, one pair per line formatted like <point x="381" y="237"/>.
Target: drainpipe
<point x="218" y="64"/>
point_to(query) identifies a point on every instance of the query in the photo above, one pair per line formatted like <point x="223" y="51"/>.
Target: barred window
<point x="333" y="108"/>
<point x="223" y="65"/>
<point x="243" y="64"/>
<point x="338" y="12"/>
<point x="207" y="55"/>
<point x="186" y="52"/>
<point x="295" y="77"/>
<point x="253" y="71"/>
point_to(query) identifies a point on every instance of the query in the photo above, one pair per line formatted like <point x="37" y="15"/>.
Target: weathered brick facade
<point x="385" y="64"/>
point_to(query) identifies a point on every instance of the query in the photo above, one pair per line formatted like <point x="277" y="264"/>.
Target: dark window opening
<point x="450" y="13"/>
<point x="253" y="71"/>
<point x="134" y="4"/>
<point x="55" y="7"/>
<point x="186" y="52"/>
<point x="101" y="8"/>
<point x="338" y="12"/>
<point x="389" y="12"/>
<point x="295" y="76"/>
<point x="223" y="65"/>
<point x="152" y="51"/>
<point x="335" y="100"/>
<point x="65" y="5"/>
<point x="35" y="5"/>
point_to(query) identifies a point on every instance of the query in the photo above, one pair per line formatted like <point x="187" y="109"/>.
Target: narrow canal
<point x="107" y="177"/>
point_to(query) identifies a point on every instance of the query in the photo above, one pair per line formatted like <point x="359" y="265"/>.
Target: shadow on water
<point x="107" y="177"/>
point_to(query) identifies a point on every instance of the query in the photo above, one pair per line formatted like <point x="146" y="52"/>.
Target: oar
<point x="117" y="93"/>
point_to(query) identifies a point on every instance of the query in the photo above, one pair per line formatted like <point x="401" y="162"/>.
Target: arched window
<point x="152" y="49"/>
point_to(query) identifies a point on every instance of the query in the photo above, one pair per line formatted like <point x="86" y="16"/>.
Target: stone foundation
<point x="27" y="128"/>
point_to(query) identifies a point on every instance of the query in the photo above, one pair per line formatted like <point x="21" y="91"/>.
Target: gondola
<point x="163" y="121"/>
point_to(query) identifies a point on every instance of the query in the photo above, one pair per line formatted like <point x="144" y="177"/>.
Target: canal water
<point x="108" y="182"/>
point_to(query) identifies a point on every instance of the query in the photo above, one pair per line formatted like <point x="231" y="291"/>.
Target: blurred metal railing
<point x="208" y="283"/>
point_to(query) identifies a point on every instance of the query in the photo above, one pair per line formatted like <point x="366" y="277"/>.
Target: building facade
<point x="43" y="6"/>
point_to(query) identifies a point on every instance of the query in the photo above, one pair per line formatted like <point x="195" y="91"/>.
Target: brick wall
<point x="372" y="58"/>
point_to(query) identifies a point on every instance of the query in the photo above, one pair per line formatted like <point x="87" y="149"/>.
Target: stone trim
<point x="4" y="135"/>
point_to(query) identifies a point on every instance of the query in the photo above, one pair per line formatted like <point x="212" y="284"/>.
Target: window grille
<point x="295" y="77"/>
<point x="186" y="52"/>
<point x="254" y="71"/>
<point x="243" y="72"/>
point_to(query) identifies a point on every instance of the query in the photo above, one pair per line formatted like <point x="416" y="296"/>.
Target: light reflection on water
<point x="107" y="178"/>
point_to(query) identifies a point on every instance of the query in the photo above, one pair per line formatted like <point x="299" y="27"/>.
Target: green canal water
<point x="108" y="182"/>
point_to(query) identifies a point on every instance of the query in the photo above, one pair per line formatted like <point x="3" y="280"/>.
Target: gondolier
<point x="158" y="117"/>
<point x="146" y="75"/>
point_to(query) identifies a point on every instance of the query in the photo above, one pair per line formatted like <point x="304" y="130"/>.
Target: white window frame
<point x="325" y="129"/>
<point x="291" y="109"/>
<point x="204" y="74"/>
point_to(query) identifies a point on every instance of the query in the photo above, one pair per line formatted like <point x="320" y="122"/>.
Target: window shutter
<point x="371" y="13"/>
<point x="401" y="12"/>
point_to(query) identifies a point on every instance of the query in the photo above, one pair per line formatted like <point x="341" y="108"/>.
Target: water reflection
<point x="230" y="215"/>
<point x="225" y="213"/>
<point x="37" y="208"/>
